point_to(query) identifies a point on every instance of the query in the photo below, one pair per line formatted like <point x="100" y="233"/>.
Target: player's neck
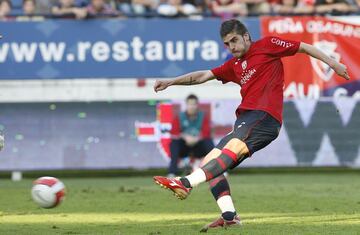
<point x="247" y="49"/>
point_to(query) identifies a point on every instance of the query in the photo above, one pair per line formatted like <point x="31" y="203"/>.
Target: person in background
<point x="228" y="8"/>
<point x="176" y="8"/>
<point x="124" y="6"/>
<point x="283" y="7"/>
<point x="44" y="6"/>
<point x="200" y="5"/>
<point x="144" y="7"/>
<point x="5" y="8"/>
<point x="29" y="7"/>
<point x="190" y="134"/>
<point x="258" y="7"/>
<point x="67" y="9"/>
<point x="293" y="7"/>
<point x="99" y="8"/>
<point x="304" y="7"/>
<point x="29" y="12"/>
<point x="333" y="7"/>
<point x="356" y="6"/>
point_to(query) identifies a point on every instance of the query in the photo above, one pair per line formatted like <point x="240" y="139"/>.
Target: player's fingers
<point x="159" y="88"/>
<point x="156" y="85"/>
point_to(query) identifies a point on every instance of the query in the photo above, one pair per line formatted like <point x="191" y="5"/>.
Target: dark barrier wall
<point x="129" y="48"/>
<point x="102" y="135"/>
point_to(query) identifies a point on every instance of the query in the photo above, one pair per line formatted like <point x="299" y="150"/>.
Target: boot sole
<point x="179" y="193"/>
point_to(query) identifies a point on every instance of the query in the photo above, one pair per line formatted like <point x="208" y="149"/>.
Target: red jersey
<point x="260" y="74"/>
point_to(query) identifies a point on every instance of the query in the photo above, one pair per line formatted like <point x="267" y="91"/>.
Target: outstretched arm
<point x="192" y="78"/>
<point x="339" y="68"/>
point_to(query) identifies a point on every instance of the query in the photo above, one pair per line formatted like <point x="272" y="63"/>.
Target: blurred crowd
<point x="83" y="9"/>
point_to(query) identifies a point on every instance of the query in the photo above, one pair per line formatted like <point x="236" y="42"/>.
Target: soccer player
<point x="257" y="68"/>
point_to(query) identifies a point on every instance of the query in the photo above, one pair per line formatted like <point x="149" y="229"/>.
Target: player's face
<point x="237" y="44"/>
<point x="191" y="106"/>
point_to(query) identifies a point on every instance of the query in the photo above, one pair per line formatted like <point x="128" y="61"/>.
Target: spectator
<point x="200" y="5"/>
<point x="99" y="8"/>
<point x="67" y="9"/>
<point x="29" y="7"/>
<point x="333" y="7"/>
<point x="29" y="11"/>
<point x="283" y="7"/>
<point x="190" y="134"/>
<point x="44" y="6"/>
<point x="305" y="7"/>
<point x="356" y="6"/>
<point x="258" y="7"/>
<point x="5" y="8"/>
<point x="145" y="7"/>
<point x="228" y="8"/>
<point x="176" y="8"/>
<point x="124" y="6"/>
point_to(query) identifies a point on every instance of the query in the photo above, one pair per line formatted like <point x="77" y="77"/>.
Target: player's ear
<point x="247" y="37"/>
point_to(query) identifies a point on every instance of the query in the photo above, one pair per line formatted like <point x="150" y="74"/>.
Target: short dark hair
<point x="192" y="97"/>
<point x="232" y="25"/>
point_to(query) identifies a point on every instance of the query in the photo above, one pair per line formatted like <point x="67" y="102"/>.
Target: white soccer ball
<point x="48" y="192"/>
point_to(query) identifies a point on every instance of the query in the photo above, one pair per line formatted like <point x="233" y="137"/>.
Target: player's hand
<point x="161" y="85"/>
<point x="341" y="70"/>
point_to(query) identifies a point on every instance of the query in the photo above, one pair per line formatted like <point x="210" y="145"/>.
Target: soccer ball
<point x="47" y="192"/>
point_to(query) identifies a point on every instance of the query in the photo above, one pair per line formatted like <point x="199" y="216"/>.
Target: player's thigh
<point x="214" y="153"/>
<point x="225" y="140"/>
<point x="242" y="127"/>
<point x="262" y="134"/>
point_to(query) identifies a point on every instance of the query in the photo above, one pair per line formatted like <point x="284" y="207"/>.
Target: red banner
<point x="309" y="77"/>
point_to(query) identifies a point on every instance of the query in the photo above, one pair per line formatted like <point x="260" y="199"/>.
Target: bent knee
<point x="214" y="153"/>
<point x="237" y="146"/>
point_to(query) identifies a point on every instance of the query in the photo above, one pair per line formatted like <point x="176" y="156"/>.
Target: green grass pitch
<point x="267" y="203"/>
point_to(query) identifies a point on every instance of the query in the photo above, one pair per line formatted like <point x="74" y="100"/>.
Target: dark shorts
<point x="255" y="128"/>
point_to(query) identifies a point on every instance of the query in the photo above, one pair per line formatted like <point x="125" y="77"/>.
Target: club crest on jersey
<point x="244" y="64"/>
<point x="323" y="70"/>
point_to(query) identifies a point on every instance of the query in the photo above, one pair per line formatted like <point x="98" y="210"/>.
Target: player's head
<point x="236" y="37"/>
<point x="192" y="104"/>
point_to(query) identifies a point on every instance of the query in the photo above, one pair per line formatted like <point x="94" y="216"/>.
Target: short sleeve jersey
<point x="260" y="74"/>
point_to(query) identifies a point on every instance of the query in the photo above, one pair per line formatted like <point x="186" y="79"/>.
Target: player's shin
<point x="219" y="165"/>
<point x="212" y="169"/>
<point x="221" y="191"/>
